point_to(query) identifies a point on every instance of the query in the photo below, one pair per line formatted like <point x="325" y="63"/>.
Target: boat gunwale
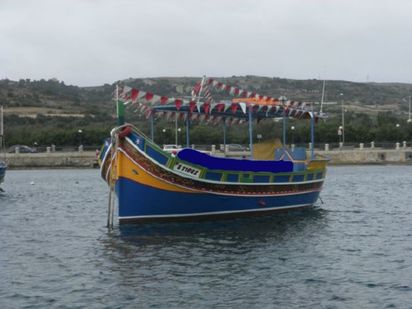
<point x="225" y="182"/>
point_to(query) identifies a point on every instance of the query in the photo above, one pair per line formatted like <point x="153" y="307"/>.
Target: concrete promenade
<point x="87" y="159"/>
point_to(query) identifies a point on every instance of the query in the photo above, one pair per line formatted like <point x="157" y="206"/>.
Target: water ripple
<point x="352" y="252"/>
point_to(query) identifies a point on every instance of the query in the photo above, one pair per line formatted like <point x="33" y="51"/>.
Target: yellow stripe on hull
<point x="128" y="169"/>
<point x="317" y="165"/>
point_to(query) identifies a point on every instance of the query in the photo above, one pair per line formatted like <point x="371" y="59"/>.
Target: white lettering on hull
<point x="186" y="169"/>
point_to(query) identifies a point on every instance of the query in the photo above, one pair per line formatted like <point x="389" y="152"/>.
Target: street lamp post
<point x="80" y="131"/>
<point x="164" y="135"/>
<point x="397" y="132"/>
<point x="340" y="131"/>
<point x="178" y="136"/>
<point x="343" y="119"/>
<point x="292" y="129"/>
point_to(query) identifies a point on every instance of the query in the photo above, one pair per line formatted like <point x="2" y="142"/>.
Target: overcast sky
<point x="91" y="42"/>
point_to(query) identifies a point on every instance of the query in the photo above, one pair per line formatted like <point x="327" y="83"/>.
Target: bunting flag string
<point x="255" y="98"/>
<point x="133" y="95"/>
<point x="145" y="101"/>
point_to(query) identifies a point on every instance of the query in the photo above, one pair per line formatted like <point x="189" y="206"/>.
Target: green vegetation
<point x="50" y="112"/>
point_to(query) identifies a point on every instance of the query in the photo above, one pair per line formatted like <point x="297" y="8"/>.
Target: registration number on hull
<point x="186" y="169"/>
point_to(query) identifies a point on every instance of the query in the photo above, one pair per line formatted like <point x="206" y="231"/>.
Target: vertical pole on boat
<point x="112" y="175"/>
<point x="152" y="125"/>
<point x="176" y="128"/>
<point x="284" y="128"/>
<point x="323" y="96"/>
<point x="110" y="207"/>
<point x="187" y="130"/>
<point x="250" y="132"/>
<point x="1" y="121"/>
<point x="2" y="144"/>
<point x="119" y="108"/>
<point x="312" y="135"/>
<point x="282" y="99"/>
<point x="112" y="178"/>
<point x="224" y="135"/>
<point x="1" y="127"/>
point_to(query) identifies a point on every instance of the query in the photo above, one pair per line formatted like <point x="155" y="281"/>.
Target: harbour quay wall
<point x="75" y="159"/>
<point x="368" y="156"/>
<point x="354" y="155"/>
<point x="87" y="159"/>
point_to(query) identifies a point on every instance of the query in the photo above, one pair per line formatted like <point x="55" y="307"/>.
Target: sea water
<point x="352" y="251"/>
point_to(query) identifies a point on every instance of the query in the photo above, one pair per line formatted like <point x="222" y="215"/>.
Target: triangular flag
<point x="192" y="106"/>
<point x="213" y="105"/>
<point x="234" y="107"/>
<point x="156" y="98"/>
<point x="133" y="95"/>
<point x="227" y="106"/>
<point x="220" y="107"/>
<point x="163" y="100"/>
<point x="243" y="107"/>
<point x="206" y="107"/>
<point x="198" y="105"/>
<point x="141" y="94"/>
<point x="178" y="103"/>
<point x="149" y="96"/>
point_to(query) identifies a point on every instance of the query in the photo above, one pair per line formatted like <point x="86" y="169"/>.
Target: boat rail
<point x="314" y="171"/>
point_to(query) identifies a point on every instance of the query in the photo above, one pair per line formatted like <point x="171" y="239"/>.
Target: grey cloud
<point x="93" y="42"/>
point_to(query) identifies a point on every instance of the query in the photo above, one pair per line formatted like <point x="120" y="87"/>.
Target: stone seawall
<point x="87" y="159"/>
<point x="369" y="156"/>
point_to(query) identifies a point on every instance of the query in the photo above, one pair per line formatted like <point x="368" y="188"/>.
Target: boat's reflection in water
<point x="275" y="227"/>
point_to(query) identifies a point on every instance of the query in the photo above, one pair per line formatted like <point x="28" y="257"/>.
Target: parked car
<point x="237" y="147"/>
<point x="174" y="149"/>
<point x="21" y="149"/>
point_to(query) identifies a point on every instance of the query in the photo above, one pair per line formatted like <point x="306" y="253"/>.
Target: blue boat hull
<point x="2" y="172"/>
<point x="141" y="203"/>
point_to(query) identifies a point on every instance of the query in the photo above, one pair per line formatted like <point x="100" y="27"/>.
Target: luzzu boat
<point x="3" y="168"/>
<point x="3" y="165"/>
<point x="154" y="185"/>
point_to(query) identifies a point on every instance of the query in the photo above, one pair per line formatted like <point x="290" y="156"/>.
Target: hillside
<point x="51" y="112"/>
<point x="53" y="97"/>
